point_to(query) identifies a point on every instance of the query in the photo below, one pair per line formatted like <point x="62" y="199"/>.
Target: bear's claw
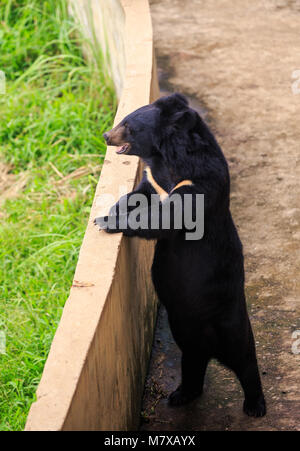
<point x="257" y="409"/>
<point x="179" y="397"/>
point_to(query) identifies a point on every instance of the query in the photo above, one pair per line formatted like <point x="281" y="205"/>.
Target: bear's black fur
<point x="201" y="283"/>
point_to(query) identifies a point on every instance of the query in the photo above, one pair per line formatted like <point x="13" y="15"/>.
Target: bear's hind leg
<point x="193" y="369"/>
<point x="244" y="364"/>
<point x="254" y="403"/>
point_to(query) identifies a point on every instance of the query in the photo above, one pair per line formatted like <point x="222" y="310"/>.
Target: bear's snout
<point x="106" y="137"/>
<point x="116" y="136"/>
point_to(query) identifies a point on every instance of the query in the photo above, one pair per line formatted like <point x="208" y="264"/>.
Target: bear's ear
<point x="173" y="102"/>
<point x="185" y="119"/>
<point x="180" y="98"/>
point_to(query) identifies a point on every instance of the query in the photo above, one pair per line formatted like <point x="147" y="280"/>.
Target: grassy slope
<point x="51" y="122"/>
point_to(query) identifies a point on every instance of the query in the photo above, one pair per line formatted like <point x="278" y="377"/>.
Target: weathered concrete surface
<point x="237" y="57"/>
<point x="94" y="375"/>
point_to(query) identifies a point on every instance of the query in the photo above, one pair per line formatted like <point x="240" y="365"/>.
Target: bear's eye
<point x="128" y="128"/>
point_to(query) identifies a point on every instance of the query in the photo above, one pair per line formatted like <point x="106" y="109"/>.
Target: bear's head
<point x="145" y="131"/>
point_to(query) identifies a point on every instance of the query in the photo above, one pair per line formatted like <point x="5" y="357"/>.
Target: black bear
<point x="199" y="281"/>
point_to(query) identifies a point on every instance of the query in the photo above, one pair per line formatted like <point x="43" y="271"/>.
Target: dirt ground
<point x="235" y="59"/>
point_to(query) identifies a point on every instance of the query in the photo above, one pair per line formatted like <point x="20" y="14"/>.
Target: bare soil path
<point x="236" y="58"/>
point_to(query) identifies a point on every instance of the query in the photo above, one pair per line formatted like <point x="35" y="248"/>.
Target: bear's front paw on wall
<point x="103" y="224"/>
<point x="111" y="224"/>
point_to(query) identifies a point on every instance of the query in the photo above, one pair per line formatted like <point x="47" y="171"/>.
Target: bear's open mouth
<point x="123" y="149"/>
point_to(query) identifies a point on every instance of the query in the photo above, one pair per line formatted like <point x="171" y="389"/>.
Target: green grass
<point x="51" y="122"/>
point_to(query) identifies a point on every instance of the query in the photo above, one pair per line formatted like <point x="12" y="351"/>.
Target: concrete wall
<point x="94" y="375"/>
